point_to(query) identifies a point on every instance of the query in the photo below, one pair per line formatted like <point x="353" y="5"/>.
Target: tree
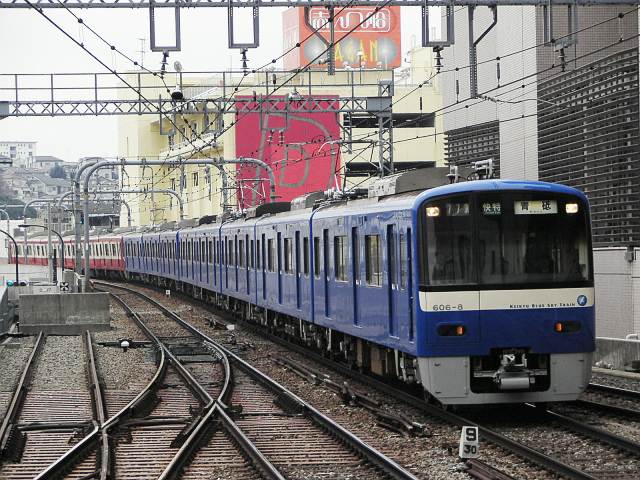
<point x="57" y="172"/>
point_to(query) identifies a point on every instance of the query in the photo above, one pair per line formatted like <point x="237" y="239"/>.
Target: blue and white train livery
<point x="480" y="291"/>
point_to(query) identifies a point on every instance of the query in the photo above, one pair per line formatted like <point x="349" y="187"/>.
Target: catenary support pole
<point x="168" y="191"/>
<point x="24" y="219"/>
<point x="90" y="169"/>
<point x="15" y="252"/>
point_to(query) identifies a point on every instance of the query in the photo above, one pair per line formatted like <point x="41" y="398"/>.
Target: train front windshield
<point x="498" y="240"/>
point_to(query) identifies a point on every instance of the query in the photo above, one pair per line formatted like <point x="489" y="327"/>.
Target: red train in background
<point x="106" y="252"/>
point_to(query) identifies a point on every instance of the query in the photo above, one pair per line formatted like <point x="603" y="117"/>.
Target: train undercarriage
<point x="446" y="380"/>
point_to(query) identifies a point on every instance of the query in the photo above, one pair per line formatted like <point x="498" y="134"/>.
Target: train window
<point x="271" y="255"/>
<point x="372" y="260"/>
<point x="404" y="261"/>
<point x="252" y="255"/>
<point x="316" y="256"/>
<point x="391" y="254"/>
<point x="241" y="253"/>
<point x="340" y="257"/>
<point x="288" y="255"/>
<point x="305" y="255"/>
<point x="210" y="251"/>
<point x="231" y="252"/>
<point x="448" y="237"/>
<point x="531" y="238"/>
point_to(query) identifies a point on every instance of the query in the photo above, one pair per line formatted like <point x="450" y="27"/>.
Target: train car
<point x="481" y="291"/>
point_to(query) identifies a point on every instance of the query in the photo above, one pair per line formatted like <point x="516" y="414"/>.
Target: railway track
<point x="556" y="465"/>
<point x="614" y="449"/>
<point x="41" y="422"/>
<point x="277" y="433"/>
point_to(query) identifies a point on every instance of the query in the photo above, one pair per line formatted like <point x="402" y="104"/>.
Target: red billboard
<point x="374" y="42"/>
<point x="296" y="145"/>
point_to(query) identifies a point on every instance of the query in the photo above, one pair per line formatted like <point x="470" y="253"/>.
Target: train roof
<point x="497" y="185"/>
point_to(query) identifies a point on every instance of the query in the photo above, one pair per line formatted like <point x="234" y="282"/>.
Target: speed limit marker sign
<point x="468" y="442"/>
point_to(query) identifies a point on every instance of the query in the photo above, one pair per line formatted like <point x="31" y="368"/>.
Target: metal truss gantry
<point x="293" y="3"/>
<point x="226" y="93"/>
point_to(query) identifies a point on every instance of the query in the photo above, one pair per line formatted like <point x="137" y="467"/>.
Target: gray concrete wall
<point x="515" y="31"/>
<point x="6" y="310"/>
<point x="64" y="314"/>
<point x="16" y="292"/>
<point x="616" y="352"/>
<point x="617" y="283"/>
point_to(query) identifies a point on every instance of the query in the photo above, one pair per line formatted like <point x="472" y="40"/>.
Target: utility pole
<point x="49" y="244"/>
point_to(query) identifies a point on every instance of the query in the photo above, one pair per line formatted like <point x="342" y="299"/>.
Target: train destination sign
<point x="535" y="207"/>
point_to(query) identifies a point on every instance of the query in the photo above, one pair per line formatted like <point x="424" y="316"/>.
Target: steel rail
<point x="139" y="405"/>
<point x="197" y="431"/>
<point x="613" y="409"/>
<point x="10" y="438"/>
<point x="622" y="392"/>
<point x="483" y="471"/>
<point x="373" y="456"/>
<point x="534" y="456"/>
<point x="99" y="408"/>
<point x="595" y="433"/>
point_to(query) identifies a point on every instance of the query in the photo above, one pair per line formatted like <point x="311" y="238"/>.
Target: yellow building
<point x="200" y="186"/>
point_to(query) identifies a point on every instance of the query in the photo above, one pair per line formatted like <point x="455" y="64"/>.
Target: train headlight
<point x="433" y="211"/>
<point x="567" y="326"/>
<point x="449" y="330"/>
<point x="571" y="208"/>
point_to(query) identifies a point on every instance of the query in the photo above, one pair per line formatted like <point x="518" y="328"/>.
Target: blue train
<point x="481" y="291"/>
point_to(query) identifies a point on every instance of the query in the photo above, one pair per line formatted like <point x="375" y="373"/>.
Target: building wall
<point x="141" y="137"/>
<point x="514" y="31"/>
<point x="22" y="153"/>
<point x="617" y="283"/>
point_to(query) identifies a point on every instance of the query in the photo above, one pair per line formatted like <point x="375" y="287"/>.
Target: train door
<point x="248" y="262"/>
<point x="279" y="269"/>
<point x="355" y="273"/>
<point x="297" y="269"/>
<point x="262" y="249"/>
<point x="392" y="280"/>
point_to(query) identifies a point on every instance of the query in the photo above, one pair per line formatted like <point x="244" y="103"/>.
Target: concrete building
<point x="44" y="163"/>
<point x="22" y="154"/>
<point x="200" y="186"/>
<point x="563" y="111"/>
<point x="27" y="185"/>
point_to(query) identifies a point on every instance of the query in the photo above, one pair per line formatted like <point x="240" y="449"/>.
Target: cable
<point x="516" y="81"/>
<point x="294" y="75"/>
<point x="457" y="69"/>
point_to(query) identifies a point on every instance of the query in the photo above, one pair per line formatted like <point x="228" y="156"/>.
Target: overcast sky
<point x="32" y="45"/>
